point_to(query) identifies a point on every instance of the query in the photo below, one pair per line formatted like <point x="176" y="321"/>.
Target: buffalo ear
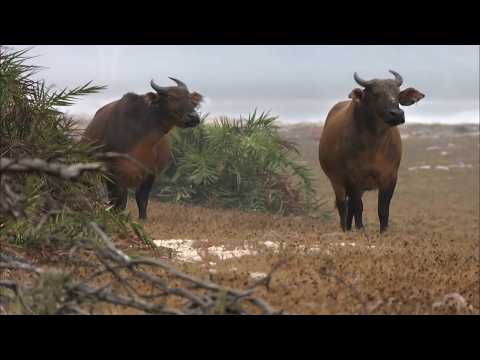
<point x="150" y="98"/>
<point x="410" y="96"/>
<point x="196" y="98"/>
<point x="356" y="94"/>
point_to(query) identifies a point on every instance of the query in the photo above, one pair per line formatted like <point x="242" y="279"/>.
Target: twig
<point x="199" y="296"/>
<point x="267" y="279"/>
<point x="63" y="171"/>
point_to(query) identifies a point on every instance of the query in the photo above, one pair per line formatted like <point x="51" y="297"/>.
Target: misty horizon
<point x="299" y="84"/>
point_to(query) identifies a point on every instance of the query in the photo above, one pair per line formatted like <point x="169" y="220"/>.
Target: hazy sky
<point x="297" y="83"/>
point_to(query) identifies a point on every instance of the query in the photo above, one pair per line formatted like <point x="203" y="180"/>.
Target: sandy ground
<point x="428" y="261"/>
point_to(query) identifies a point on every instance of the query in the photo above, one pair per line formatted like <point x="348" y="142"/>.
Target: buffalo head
<point x="383" y="97"/>
<point x="177" y="102"/>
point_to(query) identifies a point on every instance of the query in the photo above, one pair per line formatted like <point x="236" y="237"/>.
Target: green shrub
<point x="31" y="126"/>
<point x="238" y="163"/>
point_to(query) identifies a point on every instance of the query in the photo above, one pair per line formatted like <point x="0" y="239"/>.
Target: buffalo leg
<point x="359" y="212"/>
<point x="142" y="194"/>
<point x="384" y="197"/>
<point x="350" y="211"/>
<point x="117" y="195"/>
<point x="341" y="204"/>
<point x="355" y="209"/>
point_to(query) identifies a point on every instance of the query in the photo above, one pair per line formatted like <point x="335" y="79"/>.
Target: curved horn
<point x="362" y="82"/>
<point x="398" y="77"/>
<point x="179" y="83"/>
<point x="157" y="88"/>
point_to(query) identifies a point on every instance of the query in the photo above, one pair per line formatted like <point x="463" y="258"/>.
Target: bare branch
<point x="196" y="296"/>
<point x="63" y="171"/>
<point x="113" y="155"/>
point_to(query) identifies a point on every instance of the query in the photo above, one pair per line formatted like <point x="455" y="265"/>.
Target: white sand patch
<point x="182" y="247"/>
<point x="444" y="153"/>
<point x="315" y="249"/>
<point x="272" y="245"/>
<point x="220" y="252"/>
<point x="404" y="136"/>
<point x="352" y="244"/>
<point x="312" y="249"/>
<point x="421" y="167"/>
<point x="186" y="252"/>
<point x="435" y="147"/>
<point x="450" y="145"/>
<point x="461" y="164"/>
<point x="440" y="167"/>
<point x="258" y="275"/>
<point x="345" y="244"/>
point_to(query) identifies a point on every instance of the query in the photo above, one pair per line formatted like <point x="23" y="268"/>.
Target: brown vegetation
<point x="430" y="251"/>
<point x="426" y="263"/>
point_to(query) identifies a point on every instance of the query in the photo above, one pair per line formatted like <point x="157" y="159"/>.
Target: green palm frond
<point x="31" y="125"/>
<point x="239" y="163"/>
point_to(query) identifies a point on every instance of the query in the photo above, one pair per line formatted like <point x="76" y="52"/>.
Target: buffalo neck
<point x="152" y="125"/>
<point x="367" y="123"/>
<point x="160" y="123"/>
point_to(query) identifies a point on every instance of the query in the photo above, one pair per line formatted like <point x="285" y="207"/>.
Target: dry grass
<point x="431" y="249"/>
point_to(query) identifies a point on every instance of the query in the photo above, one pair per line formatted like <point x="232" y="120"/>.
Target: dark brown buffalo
<point x="139" y="125"/>
<point x="360" y="146"/>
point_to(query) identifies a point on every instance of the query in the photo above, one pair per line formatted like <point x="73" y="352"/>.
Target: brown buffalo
<point x="360" y="146"/>
<point x="139" y="125"/>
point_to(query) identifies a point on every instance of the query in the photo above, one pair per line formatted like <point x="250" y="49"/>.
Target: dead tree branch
<point x="60" y="170"/>
<point x="119" y="276"/>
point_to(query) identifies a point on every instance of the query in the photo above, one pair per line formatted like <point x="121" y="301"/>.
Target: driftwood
<point x="63" y="171"/>
<point x="197" y="296"/>
<point x="9" y="199"/>
<point x="79" y="295"/>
